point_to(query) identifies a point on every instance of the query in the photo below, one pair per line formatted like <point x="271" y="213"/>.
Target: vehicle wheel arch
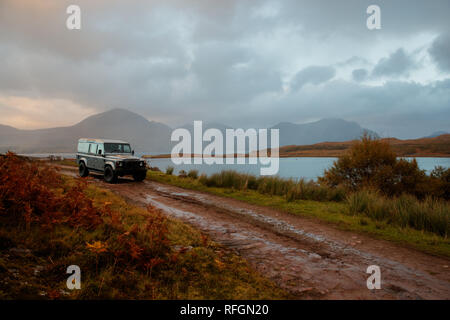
<point x="111" y="164"/>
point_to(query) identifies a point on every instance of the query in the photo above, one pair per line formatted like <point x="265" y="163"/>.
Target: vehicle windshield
<point x="117" y="148"/>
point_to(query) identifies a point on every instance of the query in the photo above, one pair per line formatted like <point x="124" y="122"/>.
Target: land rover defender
<point x="112" y="158"/>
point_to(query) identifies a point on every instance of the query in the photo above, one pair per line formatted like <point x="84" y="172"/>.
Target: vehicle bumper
<point x="125" y="171"/>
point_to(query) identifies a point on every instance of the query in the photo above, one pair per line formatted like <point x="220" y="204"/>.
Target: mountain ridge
<point x="115" y="124"/>
<point x="154" y="137"/>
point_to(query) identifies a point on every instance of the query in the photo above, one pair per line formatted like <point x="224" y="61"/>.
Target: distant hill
<point x="436" y="134"/>
<point x="325" y="130"/>
<point x="309" y="133"/>
<point x="424" y="147"/>
<point x="326" y="137"/>
<point x="145" y="136"/>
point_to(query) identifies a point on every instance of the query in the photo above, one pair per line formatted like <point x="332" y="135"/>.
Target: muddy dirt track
<point x="311" y="259"/>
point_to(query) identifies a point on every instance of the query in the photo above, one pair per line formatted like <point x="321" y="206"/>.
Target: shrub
<point x="169" y="170"/>
<point x="182" y="174"/>
<point x="36" y="195"/>
<point x="440" y="182"/>
<point x="193" y="174"/>
<point x="371" y="163"/>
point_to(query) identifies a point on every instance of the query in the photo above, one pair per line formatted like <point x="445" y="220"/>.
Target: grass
<point x="406" y="211"/>
<point x="292" y="189"/>
<point x="336" y="213"/>
<point x="112" y="253"/>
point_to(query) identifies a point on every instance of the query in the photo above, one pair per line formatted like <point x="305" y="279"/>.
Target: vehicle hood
<point x="122" y="157"/>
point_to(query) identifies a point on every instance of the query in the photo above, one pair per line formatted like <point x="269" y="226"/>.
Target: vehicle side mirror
<point x="99" y="152"/>
<point x="132" y="152"/>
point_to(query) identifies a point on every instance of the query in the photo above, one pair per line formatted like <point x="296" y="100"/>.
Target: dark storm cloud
<point x="400" y="17"/>
<point x="360" y="74"/>
<point x="314" y="75"/>
<point x="440" y="51"/>
<point x="372" y="107"/>
<point x="231" y="61"/>
<point x="397" y="64"/>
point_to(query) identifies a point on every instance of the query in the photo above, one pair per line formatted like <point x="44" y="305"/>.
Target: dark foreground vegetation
<point x="49" y="222"/>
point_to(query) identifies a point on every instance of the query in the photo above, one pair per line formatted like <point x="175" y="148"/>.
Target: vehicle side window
<point x="93" y="148"/>
<point x="83" y="147"/>
<point x="100" y="148"/>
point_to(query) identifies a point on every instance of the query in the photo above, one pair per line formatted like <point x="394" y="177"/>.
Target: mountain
<point x="436" y="134"/>
<point x="145" y="136"/>
<point x="206" y="126"/>
<point x="325" y="130"/>
<point x="154" y="138"/>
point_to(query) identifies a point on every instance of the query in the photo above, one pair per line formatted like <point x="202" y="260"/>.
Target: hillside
<point x="154" y="138"/>
<point x="332" y="130"/>
<point x="150" y="137"/>
<point x="423" y="147"/>
<point x="144" y="135"/>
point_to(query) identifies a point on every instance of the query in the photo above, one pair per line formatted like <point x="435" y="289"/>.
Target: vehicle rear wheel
<point x="139" y="176"/>
<point x="109" y="175"/>
<point x="83" y="170"/>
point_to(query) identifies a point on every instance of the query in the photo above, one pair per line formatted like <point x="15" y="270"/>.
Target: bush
<point x="182" y="174"/>
<point x="193" y="174"/>
<point x="440" y="182"/>
<point x="169" y="170"/>
<point x="371" y="163"/>
<point x="37" y="196"/>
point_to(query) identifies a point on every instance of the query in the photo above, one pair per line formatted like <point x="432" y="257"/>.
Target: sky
<point x="244" y="63"/>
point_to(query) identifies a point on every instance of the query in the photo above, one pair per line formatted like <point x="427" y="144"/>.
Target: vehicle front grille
<point x="130" y="164"/>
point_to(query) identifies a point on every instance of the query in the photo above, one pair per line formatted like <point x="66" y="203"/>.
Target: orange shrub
<point x="35" y="194"/>
<point x="371" y="163"/>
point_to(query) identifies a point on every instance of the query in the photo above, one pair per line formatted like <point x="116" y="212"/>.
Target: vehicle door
<point x="100" y="159"/>
<point x="93" y="161"/>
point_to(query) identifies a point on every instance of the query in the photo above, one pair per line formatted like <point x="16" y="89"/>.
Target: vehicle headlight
<point x="142" y="163"/>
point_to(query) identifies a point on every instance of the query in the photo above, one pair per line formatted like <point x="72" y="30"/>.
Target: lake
<point x="302" y="167"/>
<point x="308" y="168"/>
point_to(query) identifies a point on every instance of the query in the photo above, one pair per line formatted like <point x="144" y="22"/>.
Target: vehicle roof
<point x="101" y="140"/>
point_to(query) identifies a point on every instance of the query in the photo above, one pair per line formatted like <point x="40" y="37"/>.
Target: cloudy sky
<point x="244" y="63"/>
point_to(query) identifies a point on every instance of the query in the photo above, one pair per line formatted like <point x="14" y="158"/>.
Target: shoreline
<point x="312" y="156"/>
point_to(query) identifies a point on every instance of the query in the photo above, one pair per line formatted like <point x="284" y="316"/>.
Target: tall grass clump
<point x="169" y="171"/>
<point x="291" y="189"/>
<point x="193" y="174"/>
<point x="430" y="214"/>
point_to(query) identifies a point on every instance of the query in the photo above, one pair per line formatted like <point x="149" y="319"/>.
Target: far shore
<point x="168" y="156"/>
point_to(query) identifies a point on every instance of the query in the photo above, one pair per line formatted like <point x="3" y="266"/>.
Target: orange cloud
<point x="35" y="113"/>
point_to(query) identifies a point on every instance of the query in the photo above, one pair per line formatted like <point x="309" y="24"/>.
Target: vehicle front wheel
<point x="109" y="175"/>
<point x="139" y="176"/>
<point x="83" y="170"/>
